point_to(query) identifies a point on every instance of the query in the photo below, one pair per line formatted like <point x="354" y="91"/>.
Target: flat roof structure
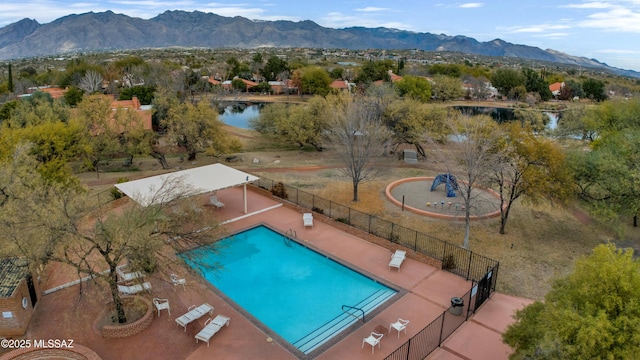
<point x="196" y="181"/>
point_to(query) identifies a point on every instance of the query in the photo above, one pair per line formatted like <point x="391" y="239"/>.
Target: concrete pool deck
<point x="428" y="293"/>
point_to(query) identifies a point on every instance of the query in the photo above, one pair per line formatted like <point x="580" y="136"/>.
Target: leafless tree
<point x="359" y="136"/>
<point x="91" y="82"/>
<point x="475" y="154"/>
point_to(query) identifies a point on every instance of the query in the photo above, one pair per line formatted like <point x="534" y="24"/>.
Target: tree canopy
<point x="198" y="130"/>
<point x="593" y="313"/>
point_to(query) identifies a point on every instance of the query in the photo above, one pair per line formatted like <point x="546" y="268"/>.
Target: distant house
<point x="342" y="85"/>
<point x="555" y="88"/>
<point x="213" y="81"/>
<point x="227" y="85"/>
<point x="144" y="111"/>
<point x="54" y="91"/>
<point x="392" y="77"/>
<point x="18" y="296"/>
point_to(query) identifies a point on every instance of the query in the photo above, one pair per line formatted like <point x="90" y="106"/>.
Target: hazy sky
<point x="605" y="30"/>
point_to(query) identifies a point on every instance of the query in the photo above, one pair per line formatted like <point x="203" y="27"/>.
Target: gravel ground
<point x="416" y="194"/>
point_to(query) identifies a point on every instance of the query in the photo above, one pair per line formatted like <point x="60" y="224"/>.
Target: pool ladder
<point x="288" y="235"/>
<point x="353" y="308"/>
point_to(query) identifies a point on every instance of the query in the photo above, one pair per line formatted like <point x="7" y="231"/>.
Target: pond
<point x="238" y="115"/>
<point x="501" y="115"/>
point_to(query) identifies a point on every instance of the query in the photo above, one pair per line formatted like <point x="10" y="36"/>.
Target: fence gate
<point x="484" y="288"/>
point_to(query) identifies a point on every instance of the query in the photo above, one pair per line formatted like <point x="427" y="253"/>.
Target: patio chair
<point x="134" y="289"/>
<point x="211" y="327"/>
<point x="128" y="276"/>
<point x="161" y="304"/>
<point x="307" y="219"/>
<point x="397" y="258"/>
<point x="213" y="200"/>
<point x="177" y="281"/>
<point x="194" y="313"/>
<point x="399" y="325"/>
<point x="373" y="339"/>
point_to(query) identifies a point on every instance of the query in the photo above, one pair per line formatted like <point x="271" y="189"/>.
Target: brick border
<point x="387" y="192"/>
<point x="78" y="352"/>
<point x="136" y="327"/>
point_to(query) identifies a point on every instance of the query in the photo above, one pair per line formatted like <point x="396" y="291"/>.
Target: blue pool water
<point x="293" y="290"/>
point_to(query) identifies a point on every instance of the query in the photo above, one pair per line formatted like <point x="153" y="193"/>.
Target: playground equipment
<point x="449" y="181"/>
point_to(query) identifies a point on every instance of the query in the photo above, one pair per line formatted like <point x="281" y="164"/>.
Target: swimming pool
<point x="296" y="292"/>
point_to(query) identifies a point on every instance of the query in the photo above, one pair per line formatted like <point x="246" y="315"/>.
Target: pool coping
<point x="400" y="293"/>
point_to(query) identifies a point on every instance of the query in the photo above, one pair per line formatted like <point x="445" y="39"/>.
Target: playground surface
<point x="416" y="193"/>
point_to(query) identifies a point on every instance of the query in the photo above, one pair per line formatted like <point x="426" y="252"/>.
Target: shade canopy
<point x="200" y="180"/>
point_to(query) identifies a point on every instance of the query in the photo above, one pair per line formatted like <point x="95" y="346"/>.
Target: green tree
<point x="529" y="166"/>
<point x="446" y="88"/>
<point x="198" y="130"/>
<point x="293" y="123"/>
<point x="143" y="93"/>
<point x="518" y="92"/>
<point x="101" y="133"/>
<point x="534" y="119"/>
<point x="534" y="82"/>
<point x="274" y="67"/>
<point x="73" y="96"/>
<point x="506" y="79"/>
<point x="414" y="87"/>
<point x="315" y="81"/>
<point x="37" y="109"/>
<point x="375" y="70"/>
<point x="594" y="89"/>
<point x="593" y="313"/>
<point x="10" y="80"/>
<point x="412" y="122"/>
<point x="452" y="70"/>
<point x="606" y="176"/>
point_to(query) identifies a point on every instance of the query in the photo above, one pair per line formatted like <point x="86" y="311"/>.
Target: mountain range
<point x="107" y="31"/>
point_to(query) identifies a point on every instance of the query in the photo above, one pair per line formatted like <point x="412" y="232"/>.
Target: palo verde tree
<point x="358" y="134"/>
<point x="530" y="167"/>
<point x="46" y="222"/>
<point x="607" y="176"/>
<point x="102" y="134"/>
<point x="198" y="130"/>
<point x="294" y="123"/>
<point x="593" y="313"/>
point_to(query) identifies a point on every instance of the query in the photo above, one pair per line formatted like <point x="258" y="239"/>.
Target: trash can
<point x="456" y="306"/>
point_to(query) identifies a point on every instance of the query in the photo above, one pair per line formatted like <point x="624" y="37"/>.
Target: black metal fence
<point x="454" y="258"/>
<point x="481" y="270"/>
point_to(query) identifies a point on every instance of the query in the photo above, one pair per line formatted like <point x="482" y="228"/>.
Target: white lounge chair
<point x="161" y="304"/>
<point x="307" y="219"/>
<point x="128" y="276"/>
<point x="399" y="325"/>
<point x="134" y="289"/>
<point x="177" y="281"/>
<point x="194" y="313"/>
<point x="211" y="327"/>
<point x="373" y="339"/>
<point x="397" y="258"/>
<point x="213" y="200"/>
